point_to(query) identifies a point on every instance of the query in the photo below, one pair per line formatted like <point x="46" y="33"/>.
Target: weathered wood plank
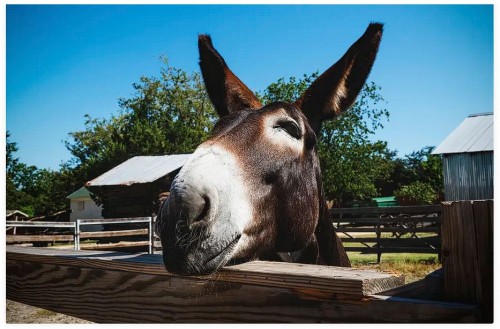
<point x="385" y="220"/>
<point x="39" y="238"/>
<point x="40" y="224"/>
<point x="387" y="229"/>
<point x="467" y="242"/>
<point x="397" y="241"/>
<point x="483" y="222"/>
<point x="107" y="234"/>
<point x="135" y="289"/>
<point x="418" y="250"/>
<point x="112" y="246"/>
<point x="388" y="210"/>
<point x="458" y="251"/>
<point x="324" y="279"/>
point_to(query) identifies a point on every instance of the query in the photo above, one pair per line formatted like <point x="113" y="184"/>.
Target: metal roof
<point x="474" y="134"/>
<point x="140" y="169"/>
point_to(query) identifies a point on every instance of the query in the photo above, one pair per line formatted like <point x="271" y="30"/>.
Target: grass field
<point x="413" y="266"/>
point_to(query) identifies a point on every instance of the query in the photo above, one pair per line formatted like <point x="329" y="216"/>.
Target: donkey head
<point x="254" y="187"/>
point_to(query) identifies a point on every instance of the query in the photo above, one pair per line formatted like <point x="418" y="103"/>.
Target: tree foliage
<point x="351" y="162"/>
<point x="172" y="114"/>
<point x="417" y="192"/>
<point x="418" y="177"/>
<point x="29" y="189"/>
<point x="166" y="115"/>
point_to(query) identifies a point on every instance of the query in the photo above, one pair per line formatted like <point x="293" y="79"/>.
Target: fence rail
<point x="65" y="281"/>
<point x="263" y="291"/>
<point x="78" y="234"/>
<point x="355" y="224"/>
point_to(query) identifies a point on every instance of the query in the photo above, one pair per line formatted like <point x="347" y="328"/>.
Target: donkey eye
<point x="290" y="127"/>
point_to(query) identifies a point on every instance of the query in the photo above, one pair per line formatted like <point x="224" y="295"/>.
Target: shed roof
<point x="474" y="134"/>
<point x="14" y="212"/>
<point x="80" y="193"/>
<point x="140" y="169"/>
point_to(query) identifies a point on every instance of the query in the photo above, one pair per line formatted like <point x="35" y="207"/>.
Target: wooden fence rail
<point x="404" y="223"/>
<point x="112" y="287"/>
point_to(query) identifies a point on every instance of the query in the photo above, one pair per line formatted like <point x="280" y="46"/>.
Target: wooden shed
<point x="133" y="188"/>
<point x="468" y="159"/>
<point x="15" y="215"/>
<point x="83" y="207"/>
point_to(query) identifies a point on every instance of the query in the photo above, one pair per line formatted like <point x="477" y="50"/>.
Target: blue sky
<point x="435" y="63"/>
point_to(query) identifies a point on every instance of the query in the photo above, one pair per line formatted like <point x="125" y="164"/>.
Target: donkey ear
<point x="337" y="88"/>
<point x="227" y="93"/>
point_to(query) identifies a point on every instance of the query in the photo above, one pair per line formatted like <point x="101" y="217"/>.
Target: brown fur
<point x="291" y="220"/>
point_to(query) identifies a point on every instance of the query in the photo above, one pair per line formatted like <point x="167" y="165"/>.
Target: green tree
<point x="425" y="167"/>
<point x="166" y="115"/>
<point x="16" y="198"/>
<point x="29" y="189"/>
<point x="420" y="180"/>
<point x="417" y="192"/>
<point x="351" y="163"/>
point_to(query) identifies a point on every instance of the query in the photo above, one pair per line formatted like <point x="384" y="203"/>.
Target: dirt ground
<point x="22" y="313"/>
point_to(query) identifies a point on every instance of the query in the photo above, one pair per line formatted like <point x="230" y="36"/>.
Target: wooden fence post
<point x="379" y="252"/>
<point x="467" y="254"/>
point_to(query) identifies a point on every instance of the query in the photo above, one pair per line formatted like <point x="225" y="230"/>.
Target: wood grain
<point x="324" y="279"/>
<point x="467" y="242"/>
<point x="39" y="238"/>
<point x="119" y="288"/>
<point x="388" y="210"/>
<point x="107" y="234"/>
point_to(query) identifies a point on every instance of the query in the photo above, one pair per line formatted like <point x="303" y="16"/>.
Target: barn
<point x="134" y="188"/>
<point x="468" y="159"/>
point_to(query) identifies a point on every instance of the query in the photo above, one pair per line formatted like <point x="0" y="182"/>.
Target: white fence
<point x="78" y="234"/>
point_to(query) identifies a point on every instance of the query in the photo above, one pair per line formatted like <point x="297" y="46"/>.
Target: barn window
<point x="81" y="205"/>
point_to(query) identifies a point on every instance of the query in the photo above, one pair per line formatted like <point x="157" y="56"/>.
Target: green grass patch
<point x="413" y="266"/>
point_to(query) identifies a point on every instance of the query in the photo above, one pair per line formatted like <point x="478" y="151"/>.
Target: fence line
<point x="78" y="234"/>
<point x="396" y="220"/>
<point x="299" y="292"/>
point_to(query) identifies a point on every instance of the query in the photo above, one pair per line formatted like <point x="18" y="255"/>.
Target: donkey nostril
<point x="192" y="206"/>
<point x="270" y="178"/>
<point x="204" y="211"/>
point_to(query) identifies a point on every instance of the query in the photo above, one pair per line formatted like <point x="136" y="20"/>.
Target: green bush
<point x="417" y="192"/>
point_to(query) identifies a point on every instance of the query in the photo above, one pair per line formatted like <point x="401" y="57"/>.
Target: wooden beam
<point x="107" y="234"/>
<point x="39" y="238"/>
<point x="388" y="210"/>
<point x="387" y="229"/>
<point x="40" y="224"/>
<point x="322" y="279"/>
<point x="372" y="250"/>
<point x="112" y="246"/>
<point x="112" y="287"/>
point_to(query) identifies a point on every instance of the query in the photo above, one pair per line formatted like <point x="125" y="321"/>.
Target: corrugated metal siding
<point x="468" y="176"/>
<point x="474" y="134"/>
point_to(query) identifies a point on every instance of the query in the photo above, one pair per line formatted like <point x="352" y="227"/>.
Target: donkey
<point x="253" y="189"/>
